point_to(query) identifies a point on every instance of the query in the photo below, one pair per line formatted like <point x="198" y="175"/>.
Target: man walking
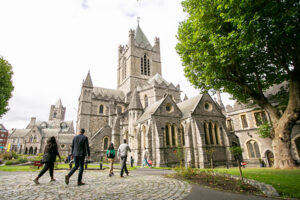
<point x="80" y="148"/>
<point x="122" y="153"/>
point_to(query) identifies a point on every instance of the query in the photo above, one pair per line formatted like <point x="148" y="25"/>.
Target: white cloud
<point x="52" y="44"/>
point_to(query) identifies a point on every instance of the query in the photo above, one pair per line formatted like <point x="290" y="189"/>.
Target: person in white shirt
<point x="122" y="154"/>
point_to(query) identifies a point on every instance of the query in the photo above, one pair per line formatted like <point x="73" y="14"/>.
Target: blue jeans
<point x="79" y="162"/>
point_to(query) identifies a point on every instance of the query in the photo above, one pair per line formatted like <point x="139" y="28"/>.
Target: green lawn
<point x="286" y="182"/>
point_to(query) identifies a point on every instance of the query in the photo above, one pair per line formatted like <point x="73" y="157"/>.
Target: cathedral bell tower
<point x="137" y="61"/>
<point x="57" y="111"/>
<point x="85" y="106"/>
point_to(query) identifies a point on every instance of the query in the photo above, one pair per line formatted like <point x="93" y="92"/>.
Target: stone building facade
<point x="147" y="110"/>
<point x="244" y="121"/>
<point x="3" y="137"/>
<point x="32" y="140"/>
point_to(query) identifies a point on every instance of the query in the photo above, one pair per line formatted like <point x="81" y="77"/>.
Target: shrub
<point x="6" y="156"/>
<point x="22" y="160"/>
<point x="14" y="155"/>
<point x="186" y="172"/>
<point x="12" y="162"/>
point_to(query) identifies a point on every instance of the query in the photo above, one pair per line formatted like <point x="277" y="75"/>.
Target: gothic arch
<point x="253" y="148"/>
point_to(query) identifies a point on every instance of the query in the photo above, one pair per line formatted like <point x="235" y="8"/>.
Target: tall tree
<point x="243" y="47"/>
<point x="6" y="86"/>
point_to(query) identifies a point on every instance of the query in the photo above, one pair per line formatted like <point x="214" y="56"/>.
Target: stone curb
<point x="266" y="189"/>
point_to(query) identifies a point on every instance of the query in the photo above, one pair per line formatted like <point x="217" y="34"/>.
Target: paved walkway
<point x="140" y="184"/>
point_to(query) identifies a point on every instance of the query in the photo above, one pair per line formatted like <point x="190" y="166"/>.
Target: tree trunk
<point x="240" y="170"/>
<point x="282" y="129"/>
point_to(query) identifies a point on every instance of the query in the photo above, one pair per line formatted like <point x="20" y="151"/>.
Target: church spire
<point x="88" y="81"/>
<point x="135" y="102"/>
<point x="58" y="103"/>
<point x="140" y="37"/>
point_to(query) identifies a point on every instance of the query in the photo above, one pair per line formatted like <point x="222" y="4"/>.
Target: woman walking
<point x="110" y="154"/>
<point x="49" y="158"/>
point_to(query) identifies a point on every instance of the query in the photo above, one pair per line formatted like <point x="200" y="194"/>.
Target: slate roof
<point x="188" y="106"/>
<point x="141" y="38"/>
<point x="150" y="110"/>
<point x="19" y="133"/>
<point x="66" y="138"/>
<point x="50" y="132"/>
<point x="108" y="93"/>
<point x="58" y="103"/>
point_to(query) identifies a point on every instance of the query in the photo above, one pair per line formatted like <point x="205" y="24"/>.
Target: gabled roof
<point x="188" y="106"/>
<point x="108" y="93"/>
<point x="135" y="102"/>
<point x="88" y="81"/>
<point x="150" y="110"/>
<point x="141" y="38"/>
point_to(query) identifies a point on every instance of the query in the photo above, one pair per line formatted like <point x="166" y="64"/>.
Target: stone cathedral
<point x="148" y="111"/>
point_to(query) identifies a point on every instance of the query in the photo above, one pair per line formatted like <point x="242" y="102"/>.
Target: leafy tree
<point x="6" y="86"/>
<point x="243" y="47"/>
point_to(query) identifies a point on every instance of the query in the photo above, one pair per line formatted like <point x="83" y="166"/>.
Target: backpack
<point x="110" y="154"/>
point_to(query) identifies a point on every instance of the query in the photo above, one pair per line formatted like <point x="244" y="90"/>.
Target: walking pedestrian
<point x="80" y="148"/>
<point x="110" y="155"/>
<point x="49" y="158"/>
<point x="122" y="154"/>
<point x="131" y="161"/>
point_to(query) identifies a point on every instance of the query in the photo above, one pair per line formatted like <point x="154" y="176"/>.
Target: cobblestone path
<point x="99" y="186"/>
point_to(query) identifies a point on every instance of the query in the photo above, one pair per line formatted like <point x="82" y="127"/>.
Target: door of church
<point x="270" y="157"/>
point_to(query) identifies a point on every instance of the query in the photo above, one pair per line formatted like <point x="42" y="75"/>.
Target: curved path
<point x="142" y="183"/>
<point x="99" y="186"/>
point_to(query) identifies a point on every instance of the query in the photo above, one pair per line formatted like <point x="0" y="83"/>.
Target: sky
<point x="52" y="44"/>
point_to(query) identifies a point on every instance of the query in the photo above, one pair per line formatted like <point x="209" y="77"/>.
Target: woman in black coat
<point x="49" y="158"/>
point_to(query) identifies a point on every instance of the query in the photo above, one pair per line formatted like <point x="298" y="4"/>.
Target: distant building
<point x="3" y="137"/>
<point x="33" y="138"/>
<point x="244" y="121"/>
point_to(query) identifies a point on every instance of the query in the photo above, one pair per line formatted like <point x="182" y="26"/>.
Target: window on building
<point x="182" y="135"/>
<point x="253" y="149"/>
<point x="205" y="133"/>
<point x="144" y="137"/>
<point x="146" y="101"/>
<point x="167" y="135"/>
<point x="173" y="128"/>
<point x="101" y="109"/>
<point x="244" y="121"/>
<point x="145" y="65"/>
<point x="210" y="128"/>
<point x="105" y="143"/>
<point x="54" y="115"/>
<point x="230" y="124"/>
<point x="260" y="118"/>
<point x="34" y="138"/>
<point x="217" y="134"/>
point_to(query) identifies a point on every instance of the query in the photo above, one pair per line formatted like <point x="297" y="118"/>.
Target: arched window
<point x="101" y="109"/>
<point x="167" y="135"/>
<point x="173" y="129"/>
<point x="34" y="138"/>
<point x="210" y="127"/>
<point x="205" y="133"/>
<point x="145" y="65"/>
<point x="105" y="143"/>
<point x="216" y="134"/>
<point x="253" y="149"/>
<point x="54" y="115"/>
<point x="146" y="101"/>
<point x="182" y="135"/>
<point x="31" y="139"/>
<point x="144" y="137"/>
<point x="26" y="150"/>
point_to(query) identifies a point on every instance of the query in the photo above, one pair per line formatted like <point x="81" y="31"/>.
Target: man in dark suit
<point x="80" y="148"/>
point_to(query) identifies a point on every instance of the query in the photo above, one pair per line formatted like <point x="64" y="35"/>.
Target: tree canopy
<point x="6" y="86"/>
<point x="240" y="46"/>
<point x="244" y="47"/>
